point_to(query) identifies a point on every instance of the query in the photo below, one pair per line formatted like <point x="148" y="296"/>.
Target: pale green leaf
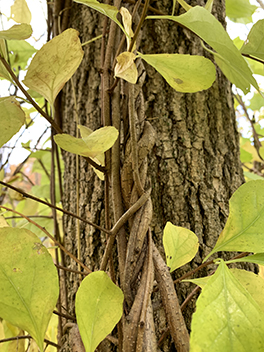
<point x="104" y="9"/>
<point x="17" y="32"/>
<point x="12" y="118"/>
<point x="257" y="258"/>
<point x="185" y="73"/>
<point x="21" y="51"/>
<point x="20" y="12"/>
<point x="54" y="64"/>
<point x="254" y="45"/>
<point x="101" y="140"/>
<point x="244" y="227"/>
<point x="240" y="11"/>
<point x="253" y="283"/>
<point x="256" y="67"/>
<point x="245" y="156"/>
<point x="200" y="281"/>
<point x="96" y="143"/>
<point x="99" y="307"/>
<point x="256" y="102"/>
<point x="227" y="56"/>
<point x="251" y="176"/>
<point x="180" y="245"/>
<point x="126" y="67"/>
<point x="100" y="158"/>
<point x="229" y="313"/>
<point x="28" y="282"/>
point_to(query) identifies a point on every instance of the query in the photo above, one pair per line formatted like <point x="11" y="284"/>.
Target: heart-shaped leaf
<point x="227" y="56"/>
<point x="12" y="118"/>
<point x="54" y="64"/>
<point x="180" y="245"/>
<point x="29" y="285"/>
<point x="228" y="311"/>
<point x="185" y="73"/>
<point x="20" y="12"/>
<point x="244" y="227"/>
<point x="99" y="307"/>
<point x="17" y="32"/>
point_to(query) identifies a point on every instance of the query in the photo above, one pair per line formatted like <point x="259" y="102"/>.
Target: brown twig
<point x="27" y="195"/>
<point x="15" y="338"/>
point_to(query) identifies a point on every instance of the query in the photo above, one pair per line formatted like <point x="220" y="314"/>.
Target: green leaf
<point x="245" y="157"/>
<point x="17" y="32"/>
<point x="257" y="258"/>
<point x="254" y="45"/>
<point x="96" y="143"/>
<point x="54" y="64"/>
<point x="180" y="245"/>
<point x="184" y="73"/>
<point x="256" y="102"/>
<point x="12" y="118"/>
<point x="227" y="56"/>
<point x="240" y="11"/>
<point x="200" y="281"/>
<point x="20" y="12"/>
<point x="251" y="282"/>
<point x="228" y="312"/>
<point x="104" y="9"/>
<point x="244" y="227"/>
<point x="29" y="286"/>
<point x="250" y="176"/>
<point x="99" y="307"/>
<point x="21" y="52"/>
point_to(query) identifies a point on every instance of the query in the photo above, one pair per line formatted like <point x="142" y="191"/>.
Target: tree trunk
<point x="190" y="155"/>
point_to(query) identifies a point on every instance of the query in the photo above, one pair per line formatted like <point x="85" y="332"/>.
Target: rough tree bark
<point x="192" y="166"/>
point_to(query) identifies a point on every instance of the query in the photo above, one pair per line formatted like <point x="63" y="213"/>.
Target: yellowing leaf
<point x="99" y="307"/>
<point x="17" y="32"/>
<point x="104" y="9"/>
<point x="248" y="147"/>
<point x="28" y="282"/>
<point x="228" y="311"/>
<point x="126" y="67"/>
<point x="185" y="73"/>
<point x="244" y="227"/>
<point x="180" y="245"/>
<point x="96" y="143"/>
<point x="127" y="20"/>
<point x="12" y="118"/>
<point x="101" y="140"/>
<point x="3" y="71"/>
<point x="100" y="158"/>
<point x="54" y="64"/>
<point x="227" y="56"/>
<point x="3" y="222"/>
<point x="20" y="12"/>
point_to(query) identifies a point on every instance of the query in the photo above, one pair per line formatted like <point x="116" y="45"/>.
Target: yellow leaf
<point x="127" y="20"/>
<point x="54" y="64"/>
<point x="12" y="118"/>
<point x="126" y="67"/>
<point x="20" y="12"/>
<point x="248" y="147"/>
<point x="17" y="32"/>
<point x="3" y="71"/>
